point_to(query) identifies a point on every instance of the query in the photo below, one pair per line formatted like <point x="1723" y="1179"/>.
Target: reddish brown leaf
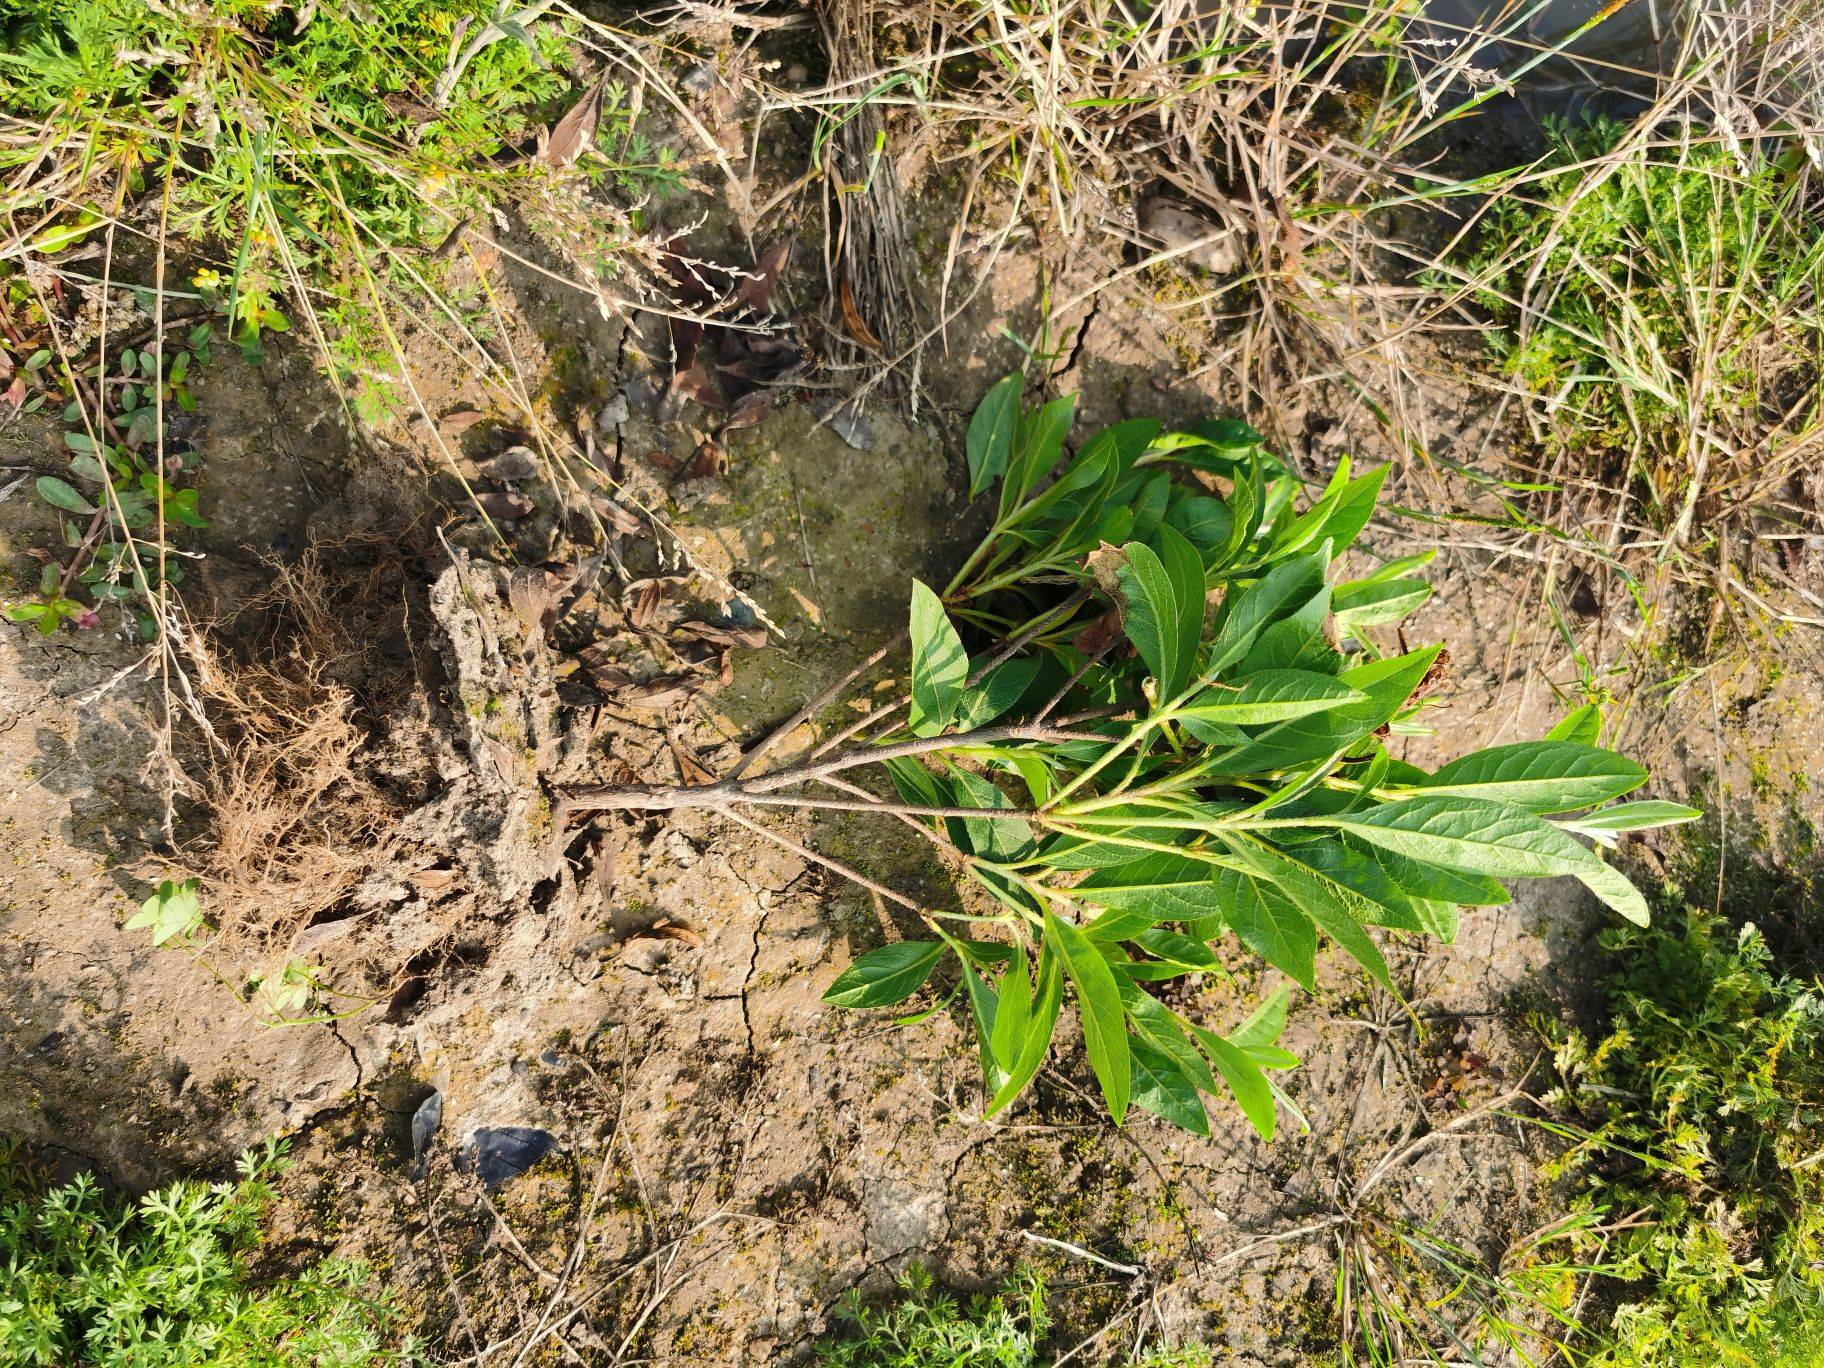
<point x="1437" y="676"/>
<point x="695" y="382"/>
<point x="619" y="518"/>
<point x="852" y="322"/>
<point x="504" y="506"/>
<point x="751" y="408"/>
<point x="642" y="604"/>
<point x="459" y="422"/>
<point x="1100" y="634"/>
<point x="756" y="291"/>
<point x="661" y="691"/>
<point x="604" y="673"/>
<point x="711" y="459"/>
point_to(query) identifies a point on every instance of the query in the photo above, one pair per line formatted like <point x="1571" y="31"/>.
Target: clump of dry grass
<point x="1274" y="132"/>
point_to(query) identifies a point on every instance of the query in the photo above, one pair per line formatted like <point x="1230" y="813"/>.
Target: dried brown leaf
<point x="459" y="422"/>
<point x="572" y="135"/>
<point x="751" y="408"/>
<point x="1104" y="563"/>
<point x="642" y="604"/>
<point x="504" y="506"/>
<point x="711" y="459"/>
<point x="690" y="769"/>
<point x="1200" y="242"/>
<point x="515" y="463"/>
<point x="852" y="322"/>
<point x="534" y="595"/>
<point x="752" y="638"/>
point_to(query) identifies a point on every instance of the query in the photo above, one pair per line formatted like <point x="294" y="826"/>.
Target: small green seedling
<point x="174" y="913"/>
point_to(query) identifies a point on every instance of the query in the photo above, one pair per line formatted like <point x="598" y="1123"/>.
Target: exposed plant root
<point x="291" y="803"/>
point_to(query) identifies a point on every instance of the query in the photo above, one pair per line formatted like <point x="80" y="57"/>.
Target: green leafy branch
<point x="1128" y="811"/>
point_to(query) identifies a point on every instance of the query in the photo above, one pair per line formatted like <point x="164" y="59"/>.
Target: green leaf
<point x="1337" y="518"/>
<point x="998" y="838"/>
<point x="997" y="691"/>
<point x="1298" y="641"/>
<point x="1270" y="924"/>
<point x="1244" y="1079"/>
<point x="1265" y="1024"/>
<point x="939" y="663"/>
<point x="1277" y="594"/>
<point x="1612" y="887"/>
<point x="1164" y="619"/>
<point x="1271" y="696"/>
<point x="1159" y="887"/>
<point x="984" y="1007"/>
<point x="1335" y="907"/>
<point x="173" y="912"/>
<point x="1385" y="685"/>
<point x="60" y="495"/>
<point x="1427" y="882"/>
<point x="1015" y="1012"/>
<point x="1161" y="1086"/>
<point x="1639" y="816"/>
<point x="885" y="976"/>
<point x="1048" y="996"/>
<point x="1183" y="954"/>
<point x="1099" y="1007"/>
<point x="1472" y="835"/>
<point x="1382" y="901"/>
<point x="990" y="438"/>
<point x="1038" y="445"/>
<point x="1580" y="724"/>
<point x="1364" y="604"/>
<point x="1540" y="776"/>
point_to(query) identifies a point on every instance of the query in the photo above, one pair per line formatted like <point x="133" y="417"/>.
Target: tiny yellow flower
<point x="206" y="279"/>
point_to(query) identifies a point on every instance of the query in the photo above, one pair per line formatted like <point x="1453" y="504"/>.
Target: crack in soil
<point x="354" y="1057"/>
<point x="1076" y="349"/>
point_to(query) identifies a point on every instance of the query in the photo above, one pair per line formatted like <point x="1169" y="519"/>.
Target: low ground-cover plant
<point x="1702" y="1112"/>
<point x="926" y="1327"/>
<point x="90" y="1278"/>
<point x="1173" y="731"/>
<point x="1660" y="294"/>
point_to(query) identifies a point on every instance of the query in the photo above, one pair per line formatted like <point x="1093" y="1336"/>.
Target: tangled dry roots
<point x="290" y="801"/>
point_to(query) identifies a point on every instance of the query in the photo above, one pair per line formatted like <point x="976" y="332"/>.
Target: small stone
<point x="496" y="1153"/>
<point x="426" y="1122"/>
<point x="613" y="413"/>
